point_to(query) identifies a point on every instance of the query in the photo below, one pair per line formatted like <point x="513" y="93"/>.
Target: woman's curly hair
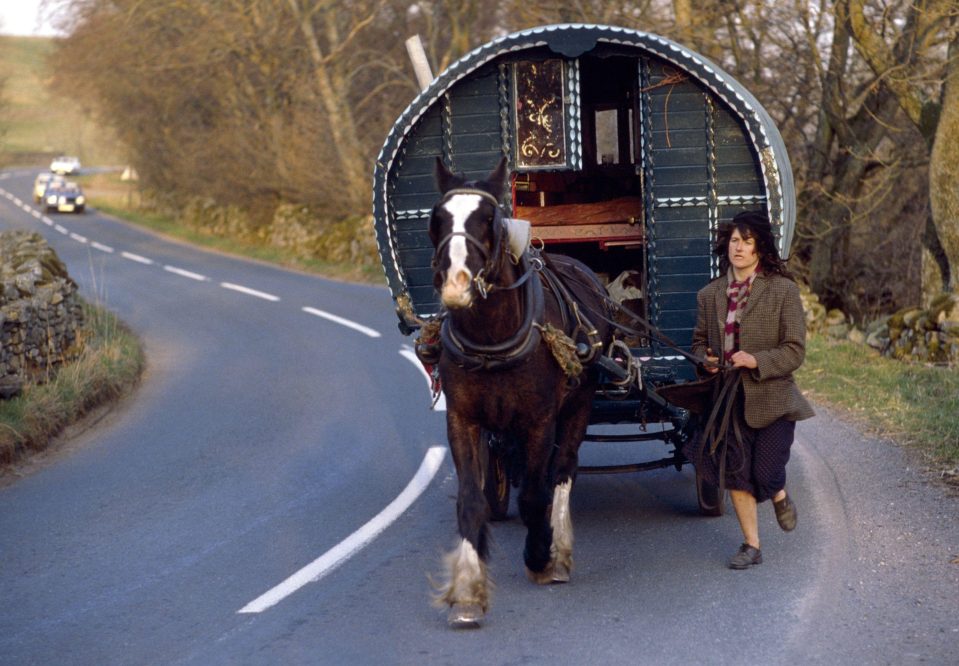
<point x="751" y="224"/>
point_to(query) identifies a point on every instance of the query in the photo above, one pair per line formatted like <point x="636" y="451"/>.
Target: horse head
<point x="470" y="234"/>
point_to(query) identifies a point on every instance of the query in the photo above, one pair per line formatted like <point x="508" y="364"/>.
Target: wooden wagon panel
<point x="693" y="149"/>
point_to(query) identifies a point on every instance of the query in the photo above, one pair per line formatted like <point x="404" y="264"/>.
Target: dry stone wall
<point x="929" y="334"/>
<point x="40" y="311"/>
<point x="924" y="335"/>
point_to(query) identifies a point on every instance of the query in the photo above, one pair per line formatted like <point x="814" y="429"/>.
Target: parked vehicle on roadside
<point x="65" y="197"/>
<point x="65" y="165"/>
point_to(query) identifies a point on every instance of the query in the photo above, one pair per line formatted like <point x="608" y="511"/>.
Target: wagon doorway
<point x="589" y="204"/>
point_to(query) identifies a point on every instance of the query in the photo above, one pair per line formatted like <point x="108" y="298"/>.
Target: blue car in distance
<point x="64" y="197"/>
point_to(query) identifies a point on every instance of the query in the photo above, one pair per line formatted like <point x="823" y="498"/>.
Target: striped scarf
<point x="737" y="293"/>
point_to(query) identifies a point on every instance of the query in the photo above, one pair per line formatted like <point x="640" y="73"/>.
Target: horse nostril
<point x="461" y="279"/>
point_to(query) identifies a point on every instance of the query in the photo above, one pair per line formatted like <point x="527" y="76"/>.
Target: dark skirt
<point x="758" y="465"/>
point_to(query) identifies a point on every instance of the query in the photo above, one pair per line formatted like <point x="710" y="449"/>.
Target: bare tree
<point x="869" y="115"/>
<point x="944" y="177"/>
<point x="249" y="102"/>
<point x="264" y="102"/>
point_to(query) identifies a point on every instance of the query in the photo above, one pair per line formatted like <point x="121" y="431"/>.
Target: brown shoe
<point x="746" y="557"/>
<point x="786" y="514"/>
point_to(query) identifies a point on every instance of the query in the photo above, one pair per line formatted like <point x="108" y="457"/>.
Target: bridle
<point x="484" y="280"/>
<point x="468" y="353"/>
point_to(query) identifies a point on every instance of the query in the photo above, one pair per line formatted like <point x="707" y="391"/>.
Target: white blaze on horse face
<point x="456" y="288"/>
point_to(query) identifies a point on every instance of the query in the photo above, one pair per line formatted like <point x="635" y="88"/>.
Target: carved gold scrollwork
<point x="540" y="120"/>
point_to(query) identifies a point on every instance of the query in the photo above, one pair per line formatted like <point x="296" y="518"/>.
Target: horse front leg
<point x="464" y="589"/>
<point x="570" y="431"/>
<point x="534" y="501"/>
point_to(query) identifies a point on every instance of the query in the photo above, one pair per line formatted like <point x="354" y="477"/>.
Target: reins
<point x="649" y="329"/>
<point x="724" y="414"/>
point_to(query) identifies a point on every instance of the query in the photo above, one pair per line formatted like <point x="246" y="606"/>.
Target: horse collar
<point x="474" y="356"/>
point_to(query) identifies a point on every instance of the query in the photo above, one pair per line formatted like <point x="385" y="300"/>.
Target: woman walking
<point x="750" y="321"/>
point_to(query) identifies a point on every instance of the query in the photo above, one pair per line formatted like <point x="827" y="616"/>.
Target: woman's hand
<point x="713" y="362"/>
<point x="743" y="359"/>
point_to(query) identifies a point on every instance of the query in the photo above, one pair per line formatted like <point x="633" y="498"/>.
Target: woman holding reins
<point x="750" y="321"/>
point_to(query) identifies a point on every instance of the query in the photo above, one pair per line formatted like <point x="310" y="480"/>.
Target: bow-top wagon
<point x="624" y="150"/>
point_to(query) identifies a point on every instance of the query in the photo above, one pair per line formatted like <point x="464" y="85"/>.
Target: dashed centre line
<point x="182" y="272"/>
<point x="250" y="292"/>
<point x="137" y="258"/>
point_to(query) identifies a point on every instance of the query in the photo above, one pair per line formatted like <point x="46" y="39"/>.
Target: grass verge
<point x="913" y="404"/>
<point x="108" y="368"/>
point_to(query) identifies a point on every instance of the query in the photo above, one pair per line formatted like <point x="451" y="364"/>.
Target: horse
<point x="517" y="343"/>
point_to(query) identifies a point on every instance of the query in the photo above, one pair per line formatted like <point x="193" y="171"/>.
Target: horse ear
<point x="497" y="179"/>
<point x="446" y="180"/>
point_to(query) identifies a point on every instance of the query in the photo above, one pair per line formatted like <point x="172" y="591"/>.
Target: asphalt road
<point x="266" y="439"/>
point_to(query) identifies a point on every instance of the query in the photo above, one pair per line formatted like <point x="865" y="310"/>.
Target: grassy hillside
<point x="35" y="124"/>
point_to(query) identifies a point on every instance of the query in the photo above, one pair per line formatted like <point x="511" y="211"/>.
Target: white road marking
<point x="18" y="201"/>
<point x="37" y="214"/>
<point x="250" y="292"/>
<point x="410" y="355"/>
<point x="343" y="322"/>
<point x="78" y="237"/>
<point x="101" y="247"/>
<point x="356" y="541"/>
<point x="185" y="273"/>
<point x="47" y="221"/>
<point x="61" y="229"/>
<point x="137" y="258"/>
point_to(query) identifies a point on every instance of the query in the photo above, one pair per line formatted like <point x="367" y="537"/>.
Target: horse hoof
<point x="465" y="616"/>
<point x="560" y="573"/>
<point x="544" y="577"/>
<point x="553" y="573"/>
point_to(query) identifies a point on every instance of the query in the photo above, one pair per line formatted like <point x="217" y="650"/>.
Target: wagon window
<point x="613" y="135"/>
<point x="540" y="114"/>
<point x="607" y="137"/>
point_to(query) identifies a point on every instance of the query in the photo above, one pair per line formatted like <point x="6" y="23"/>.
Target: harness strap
<point x="518" y="347"/>
<point x="649" y="329"/>
<point x="570" y="310"/>
<point x="469" y="237"/>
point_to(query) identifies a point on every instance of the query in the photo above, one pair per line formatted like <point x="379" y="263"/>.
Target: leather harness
<point x="536" y="269"/>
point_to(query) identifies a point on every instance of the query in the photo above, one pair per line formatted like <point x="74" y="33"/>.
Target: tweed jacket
<point x="773" y="329"/>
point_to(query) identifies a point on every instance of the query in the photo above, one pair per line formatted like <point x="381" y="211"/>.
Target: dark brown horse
<point x="517" y="342"/>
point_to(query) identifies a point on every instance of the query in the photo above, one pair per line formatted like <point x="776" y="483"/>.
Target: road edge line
<point x="356" y="541"/>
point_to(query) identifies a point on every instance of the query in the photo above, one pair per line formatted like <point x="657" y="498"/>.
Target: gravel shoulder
<point x="888" y="590"/>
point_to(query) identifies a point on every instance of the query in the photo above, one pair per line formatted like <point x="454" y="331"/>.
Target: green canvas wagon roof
<point x="476" y="86"/>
